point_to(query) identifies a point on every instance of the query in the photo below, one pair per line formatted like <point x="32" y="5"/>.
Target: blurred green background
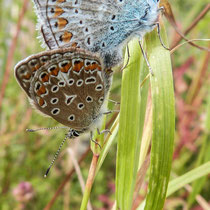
<point x="24" y="157"/>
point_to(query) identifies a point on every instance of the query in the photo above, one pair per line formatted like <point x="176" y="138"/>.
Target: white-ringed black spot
<point x="52" y="68"/>
<point x="61" y="83"/>
<point x="80" y="106"/>
<point x="68" y="54"/>
<point x="90" y="80"/>
<point x="55" y="111"/>
<point x="80" y="22"/>
<point x="79" y="82"/>
<point x="103" y="44"/>
<point x="42" y="75"/>
<point x="86" y="29"/>
<point x="71" y="117"/>
<point x="56" y="56"/>
<point x="76" y="11"/>
<point x="101" y="99"/>
<point x="22" y="69"/>
<point x="54" y="100"/>
<point x="54" y="89"/>
<point x="71" y="81"/>
<point x="33" y="62"/>
<point x="63" y="64"/>
<point x="112" y="28"/>
<point x="70" y="99"/>
<point x="99" y="87"/>
<point x="89" y="99"/>
<point x="44" y="59"/>
<point x="87" y="63"/>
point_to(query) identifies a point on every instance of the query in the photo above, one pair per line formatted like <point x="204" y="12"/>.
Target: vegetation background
<point x="24" y="157"/>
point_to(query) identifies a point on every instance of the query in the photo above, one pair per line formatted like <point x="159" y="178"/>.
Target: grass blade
<point x="128" y="137"/>
<point x="163" y="122"/>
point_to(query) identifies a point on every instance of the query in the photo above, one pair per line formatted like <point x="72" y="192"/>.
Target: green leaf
<point x="204" y="156"/>
<point x="128" y="147"/>
<point x="190" y="176"/>
<point x="163" y="121"/>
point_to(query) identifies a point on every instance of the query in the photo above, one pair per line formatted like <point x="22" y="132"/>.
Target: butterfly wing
<point x="26" y="69"/>
<point x="99" y="26"/>
<point x="71" y="90"/>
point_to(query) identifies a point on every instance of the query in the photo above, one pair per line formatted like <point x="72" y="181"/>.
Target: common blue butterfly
<point x="102" y="26"/>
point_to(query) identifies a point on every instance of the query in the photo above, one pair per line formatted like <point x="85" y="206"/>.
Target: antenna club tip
<point x="47" y="172"/>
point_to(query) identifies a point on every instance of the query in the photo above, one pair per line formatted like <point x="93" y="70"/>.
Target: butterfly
<point x="100" y="26"/>
<point x="70" y="85"/>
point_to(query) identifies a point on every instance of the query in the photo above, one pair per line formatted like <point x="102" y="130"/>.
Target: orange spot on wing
<point x="27" y="76"/>
<point x="96" y="66"/>
<point x="66" y="37"/>
<point x="61" y="1"/>
<point x="62" y="22"/>
<point x="77" y="66"/>
<point x="41" y="101"/>
<point x="66" y="68"/>
<point x="54" y="72"/>
<point x="74" y="44"/>
<point x="93" y="67"/>
<point x="36" y="67"/>
<point x="42" y="90"/>
<point x="58" y="11"/>
<point x="45" y="78"/>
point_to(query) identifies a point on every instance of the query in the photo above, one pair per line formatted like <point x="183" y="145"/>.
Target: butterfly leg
<point x="161" y="41"/>
<point x="91" y="138"/>
<point x="128" y="52"/>
<point x="115" y="102"/>
<point x="111" y="111"/>
<point x="145" y="57"/>
<point x="104" y="131"/>
<point x="161" y="9"/>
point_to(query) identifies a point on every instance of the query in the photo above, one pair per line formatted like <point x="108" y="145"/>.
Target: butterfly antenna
<point x="40" y="129"/>
<point x="56" y="155"/>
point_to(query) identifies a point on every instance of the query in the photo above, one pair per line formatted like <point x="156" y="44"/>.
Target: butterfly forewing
<point x="98" y="26"/>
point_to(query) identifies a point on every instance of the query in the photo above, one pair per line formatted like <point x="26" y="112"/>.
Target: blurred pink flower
<point x="24" y="192"/>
